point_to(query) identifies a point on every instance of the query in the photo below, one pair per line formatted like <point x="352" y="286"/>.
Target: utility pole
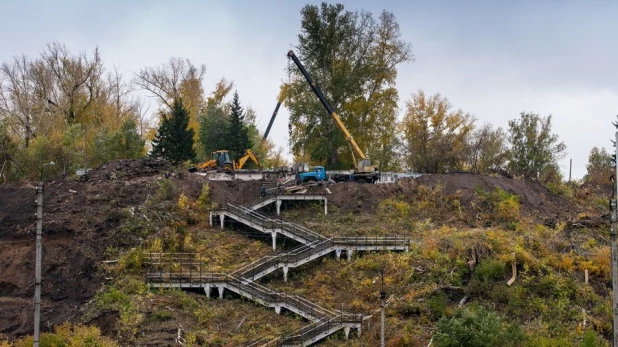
<point x="614" y="250"/>
<point x="39" y="256"/>
<point x="382" y="306"/>
<point x="39" y="251"/>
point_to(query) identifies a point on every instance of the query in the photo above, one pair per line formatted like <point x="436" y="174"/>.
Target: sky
<point x="493" y="60"/>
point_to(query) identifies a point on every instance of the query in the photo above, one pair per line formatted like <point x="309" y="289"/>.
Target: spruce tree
<point x="174" y="140"/>
<point x="238" y="134"/>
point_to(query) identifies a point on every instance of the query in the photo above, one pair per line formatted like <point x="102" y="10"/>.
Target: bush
<point x="505" y="207"/>
<point x="203" y="200"/>
<point x="437" y="304"/>
<point x="476" y="327"/>
<point x="67" y="335"/>
<point x="489" y="270"/>
<point x="394" y="207"/>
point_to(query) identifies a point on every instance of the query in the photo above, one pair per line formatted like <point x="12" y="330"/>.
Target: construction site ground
<point x="86" y="230"/>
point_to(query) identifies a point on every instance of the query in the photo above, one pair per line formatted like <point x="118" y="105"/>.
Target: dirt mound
<point x="82" y="218"/>
<point x="535" y="199"/>
<point x="350" y="197"/>
<point x="125" y="168"/>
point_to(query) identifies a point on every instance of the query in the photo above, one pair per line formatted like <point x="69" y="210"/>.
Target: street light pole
<point x="39" y="256"/>
<point x="382" y="305"/>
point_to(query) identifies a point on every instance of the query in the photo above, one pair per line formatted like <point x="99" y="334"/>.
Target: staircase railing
<point x="269" y="223"/>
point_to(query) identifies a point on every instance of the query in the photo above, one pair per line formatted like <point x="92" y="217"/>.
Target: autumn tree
<point x="599" y="167"/>
<point x="174" y="139"/>
<point x="435" y="136"/>
<point x="354" y="58"/>
<point x="238" y="132"/>
<point x="178" y="78"/>
<point x="534" y="148"/>
<point x="487" y="149"/>
<point x="55" y="107"/>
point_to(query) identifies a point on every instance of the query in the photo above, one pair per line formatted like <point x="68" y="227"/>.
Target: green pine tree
<point x="174" y="140"/>
<point x="238" y="133"/>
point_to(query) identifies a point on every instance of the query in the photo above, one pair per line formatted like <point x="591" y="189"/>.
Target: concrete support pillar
<point x="278" y="309"/>
<point x="278" y="204"/>
<point x="347" y="332"/>
<point x="349" y="254"/>
<point x="222" y="218"/>
<point x="274" y="235"/>
<point x="221" y="290"/>
<point x="285" y="274"/>
<point x="338" y="253"/>
<point x="325" y="206"/>
<point x="207" y="290"/>
<point x="359" y="330"/>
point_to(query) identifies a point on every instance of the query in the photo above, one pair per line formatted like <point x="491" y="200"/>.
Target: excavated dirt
<point x="82" y="218"/>
<point x="535" y="199"/>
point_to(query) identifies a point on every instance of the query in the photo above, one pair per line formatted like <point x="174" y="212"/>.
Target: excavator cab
<point x="222" y="160"/>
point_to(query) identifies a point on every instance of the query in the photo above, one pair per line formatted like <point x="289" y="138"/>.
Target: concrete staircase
<point x="265" y="224"/>
<point x="306" y="253"/>
<point x="182" y="271"/>
<point x="171" y="272"/>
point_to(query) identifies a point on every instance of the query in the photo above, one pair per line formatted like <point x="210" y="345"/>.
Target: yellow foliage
<point x="508" y="209"/>
<point x="392" y="206"/>
<point x="70" y="336"/>
<point x="156" y="246"/>
<point x="563" y="262"/>
<point x="601" y="258"/>
<point x="183" y="201"/>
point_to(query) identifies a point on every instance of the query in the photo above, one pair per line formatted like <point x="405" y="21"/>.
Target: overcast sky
<point x="489" y="59"/>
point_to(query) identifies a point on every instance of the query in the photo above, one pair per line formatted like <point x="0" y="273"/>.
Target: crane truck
<point x="363" y="171"/>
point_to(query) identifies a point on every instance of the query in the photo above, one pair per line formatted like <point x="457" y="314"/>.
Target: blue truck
<point x="319" y="174"/>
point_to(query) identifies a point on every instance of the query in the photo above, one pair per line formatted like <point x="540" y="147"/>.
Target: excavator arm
<point x="249" y="155"/>
<point x="316" y="89"/>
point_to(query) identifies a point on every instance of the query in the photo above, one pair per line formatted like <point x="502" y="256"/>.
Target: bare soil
<point x="81" y="220"/>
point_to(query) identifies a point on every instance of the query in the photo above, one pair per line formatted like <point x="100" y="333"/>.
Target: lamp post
<point x="382" y="305"/>
<point x="39" y="254"/>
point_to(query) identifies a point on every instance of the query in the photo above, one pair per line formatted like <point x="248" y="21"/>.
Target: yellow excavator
<point x="221" y="160"/>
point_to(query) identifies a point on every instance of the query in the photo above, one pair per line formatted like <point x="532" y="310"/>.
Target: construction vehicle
<point x="363" y="172"/>
<point x="221" y="161"/>
<point x="317" y="174"/>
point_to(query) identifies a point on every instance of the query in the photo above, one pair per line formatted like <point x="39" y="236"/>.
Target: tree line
<point x="354" y="57"/>
<point x="67" y="107"/>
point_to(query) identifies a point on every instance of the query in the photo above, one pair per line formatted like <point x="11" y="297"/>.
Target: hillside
<point x="465" y="231"/>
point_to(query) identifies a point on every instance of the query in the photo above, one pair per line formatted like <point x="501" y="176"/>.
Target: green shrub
<point x="489" y="270"/>
<point x="437" y="304"/>
<point x="160" y="316"/>
<point x="167" y="190"/>
<point x="112" y="299"/>
<point x="476" y="327"/>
